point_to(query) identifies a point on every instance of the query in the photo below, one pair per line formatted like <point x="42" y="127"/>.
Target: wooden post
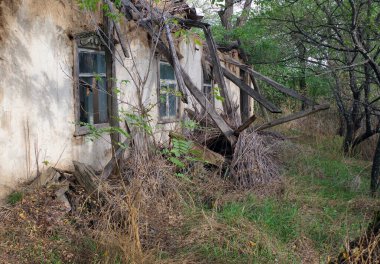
<point x="244" y="99"/>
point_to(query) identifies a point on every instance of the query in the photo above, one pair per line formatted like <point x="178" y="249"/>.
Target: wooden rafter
<point x="251" y="92"/>
<point x="293" y="116"/>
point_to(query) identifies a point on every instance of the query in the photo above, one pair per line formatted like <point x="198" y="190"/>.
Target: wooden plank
<point x="86" y="177"/>
<point x="244" y="97"/>
<point x="176" y="64"/>
<point x="245" y="125"/>
<point x="281" y="88"/>
<point x="218" y="72"/>
<point x="209" y="108"/>
<point x="113" y="163"/>
<point x="202" y="152"/>
<point x="191" y="23"/>
<point x="292" y="117"/>
<point x="254" y="94"/>
<point x="120" y="35"/>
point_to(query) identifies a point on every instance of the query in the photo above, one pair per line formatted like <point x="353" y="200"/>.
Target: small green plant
<point x="216" y="94"/>
<point x="180" y="150"/>
<point x="14" y="198"/>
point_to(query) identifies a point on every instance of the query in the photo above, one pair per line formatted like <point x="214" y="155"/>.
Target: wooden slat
<point x="245" y="125"/>
<point x="281" y="88"/>
<point x="251" y="92"/>
<point x="292" y="117"/>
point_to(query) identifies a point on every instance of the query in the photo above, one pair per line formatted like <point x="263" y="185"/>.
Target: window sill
<point x="83" y="131"/>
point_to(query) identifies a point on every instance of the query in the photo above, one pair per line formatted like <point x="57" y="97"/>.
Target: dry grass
<point x="253" y="162"/>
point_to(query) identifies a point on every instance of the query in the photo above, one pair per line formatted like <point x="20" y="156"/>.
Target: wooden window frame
<point x="170" y="119"/>
<point x="91" y="43"/>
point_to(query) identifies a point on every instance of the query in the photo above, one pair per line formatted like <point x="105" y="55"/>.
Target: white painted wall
<point x="36" y="94"/>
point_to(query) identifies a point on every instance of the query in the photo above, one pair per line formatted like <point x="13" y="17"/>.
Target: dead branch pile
<point x="253" y="161"/>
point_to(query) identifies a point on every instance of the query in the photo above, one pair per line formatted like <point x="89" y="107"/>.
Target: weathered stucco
<point x="37" y="117"/>
<point x="36" y="90"/>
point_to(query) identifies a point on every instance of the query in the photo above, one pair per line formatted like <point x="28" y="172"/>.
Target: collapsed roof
<point x="163" y="14"/>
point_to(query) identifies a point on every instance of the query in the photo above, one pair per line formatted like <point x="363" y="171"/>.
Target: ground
<point x="323" y="202"/>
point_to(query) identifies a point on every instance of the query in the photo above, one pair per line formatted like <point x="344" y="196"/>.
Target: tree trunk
<point x="375" y="169"/>
<point x="302" y="78"/>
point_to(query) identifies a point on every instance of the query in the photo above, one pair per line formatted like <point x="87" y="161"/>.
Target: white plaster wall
<point x="37" y="101"/>
<point x="141" y="55"/>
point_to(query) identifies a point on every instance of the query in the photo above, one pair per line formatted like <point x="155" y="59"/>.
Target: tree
<point x="337" y="40"/>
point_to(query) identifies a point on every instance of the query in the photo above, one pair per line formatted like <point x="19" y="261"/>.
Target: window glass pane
<point x="87" y="62"/>
<point x="172" y="105"/>
<point x="162" y="105"/>
<point x="166" y="71"/>
<point x="102" y="97"/>
<point x="101" y="63"/>
<point x="86" y="100"/>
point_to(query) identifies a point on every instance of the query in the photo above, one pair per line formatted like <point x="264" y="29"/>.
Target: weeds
<point x="14" y="198"/>
<point x="154" y="216"/>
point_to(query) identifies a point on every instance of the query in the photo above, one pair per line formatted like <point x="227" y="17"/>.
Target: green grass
<point x="326" y="201"/>
<point x="14" y="198"/>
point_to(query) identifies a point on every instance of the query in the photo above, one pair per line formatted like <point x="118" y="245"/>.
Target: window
<point x="208" y="87"/>
<point x="92" y="78"/>
<point x="168" y="93"/>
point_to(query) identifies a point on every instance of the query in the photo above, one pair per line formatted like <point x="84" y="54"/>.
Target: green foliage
<point x="93" y="5"/>
<point x="216" y="94"/>
<point x="272" y="49"/>
<point x="181" y="149"/>
<point x="15" y="198"/>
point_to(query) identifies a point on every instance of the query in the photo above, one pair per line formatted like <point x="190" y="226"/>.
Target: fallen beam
<point x="245" y="125"/>
<point x="218" y="71"/>
<point x="191" y="23"/>
<point x="120" y="35"/>
<point x="86" y="177"/>
<point x="108" y="169"/>
<point x="176" y="65"/>
<point x="292" y="117"/>
<point x="281" y="88"/>
<point x="251" y="92"/>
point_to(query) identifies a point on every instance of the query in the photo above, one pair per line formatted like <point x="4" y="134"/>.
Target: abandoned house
<point x="52" y="56"/>
<point x="67" y="71"/>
